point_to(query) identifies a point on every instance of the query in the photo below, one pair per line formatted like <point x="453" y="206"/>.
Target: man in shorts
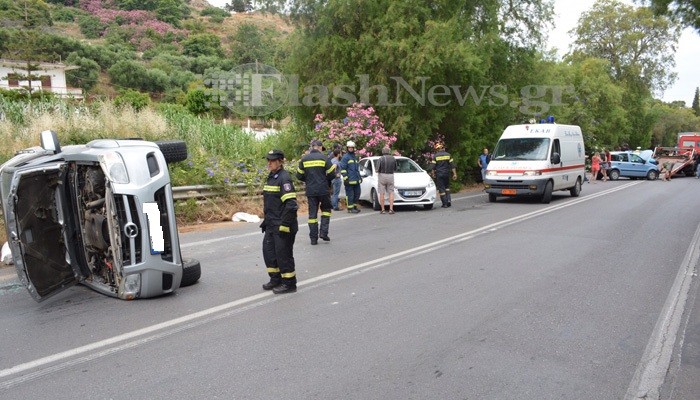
<point x="387" y="167"/>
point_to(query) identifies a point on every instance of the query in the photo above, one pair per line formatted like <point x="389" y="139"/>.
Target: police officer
<point x="442" y="165"/>
<point x="280" y="226"/>
<point x="318" y="172"/>
<point x="350" y="170"/>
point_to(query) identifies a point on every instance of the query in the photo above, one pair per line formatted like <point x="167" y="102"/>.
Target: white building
<point x="51" y="77"/>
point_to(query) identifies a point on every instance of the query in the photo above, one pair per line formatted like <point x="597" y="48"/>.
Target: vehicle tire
<point x="547" y="194"/>
<point x="375" y="201"/>
<point x="614" y="175"/>
<point x="576" y="190"/>
<point x="492" y="197"/>
<point x="191" y="272"/>
<point x="652" y="175"/>
<point x="173" y="150"/>
<point x="428" y="206"/>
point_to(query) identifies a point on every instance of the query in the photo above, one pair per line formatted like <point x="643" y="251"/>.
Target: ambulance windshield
<point x="522" y="149"/>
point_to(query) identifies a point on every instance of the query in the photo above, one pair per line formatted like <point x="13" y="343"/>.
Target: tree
<point x="28" y="13"/>
<point x="239" y="6"/>
<point x="685" y="11"/>
<point x="203" y="44"/>
<point x="426" y="67"/>
<point x="639" y="46"/>
<point x="696" y="102"/>
<point x="31" y="47"/>
<point x="249" y="44"/>
<point x="84" y="77"/>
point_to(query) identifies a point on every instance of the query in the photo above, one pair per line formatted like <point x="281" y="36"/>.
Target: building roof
<point x="41" y="65"/>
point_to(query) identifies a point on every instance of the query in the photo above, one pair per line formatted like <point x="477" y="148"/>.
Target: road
<point x="584" y="298"/>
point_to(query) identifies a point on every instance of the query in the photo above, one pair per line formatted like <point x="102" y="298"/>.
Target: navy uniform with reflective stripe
<point x="350" y="171"/>
<point x="280" y="207"/>
<point x="443" y="165"/>
<point x="317" y="172"/>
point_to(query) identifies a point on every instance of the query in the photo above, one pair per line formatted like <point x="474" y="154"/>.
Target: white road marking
<point x="65" y="359"/>
<point x="651" y="370"/>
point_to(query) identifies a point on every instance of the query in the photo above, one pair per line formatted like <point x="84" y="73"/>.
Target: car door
<point x="369" y="177"/>
<point x="624" y="164"/>
<point x="38" y="219"/>
<point x="638" y="166"/>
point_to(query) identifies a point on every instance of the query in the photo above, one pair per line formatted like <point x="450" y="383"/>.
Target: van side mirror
<point x="556" y="158"/>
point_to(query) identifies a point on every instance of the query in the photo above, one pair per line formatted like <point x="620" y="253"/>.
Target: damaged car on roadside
<point x="101" y="214"/>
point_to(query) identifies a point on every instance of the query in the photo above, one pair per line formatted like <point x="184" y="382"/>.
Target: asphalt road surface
<point x="583" y="298"/>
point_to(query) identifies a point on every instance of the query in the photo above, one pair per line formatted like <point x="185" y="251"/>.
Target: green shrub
<point x="136" y="100"/>
<point x="214" y="12"/>
<point x="90" y="26"/>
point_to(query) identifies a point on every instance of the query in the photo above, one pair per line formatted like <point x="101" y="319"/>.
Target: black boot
<point x="272" y="284"/>
<point x="284" y="288"/>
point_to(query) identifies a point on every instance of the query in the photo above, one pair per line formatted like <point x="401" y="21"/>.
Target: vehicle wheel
<point x="375" y="201"/>
<point x="173" y="150"/>
<point x="547" y="194"/>
<point x="614" y="175"/>
<point x="652" y="175"/>
<point x="191" y="272"/>
<point x="492" y="197"/>
<point x="428" y="206"/>
<point x="576" y="190"/>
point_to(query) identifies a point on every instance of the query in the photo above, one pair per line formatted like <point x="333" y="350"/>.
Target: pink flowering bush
<point x="362" y="126"/>
<point x="141" y="23"/>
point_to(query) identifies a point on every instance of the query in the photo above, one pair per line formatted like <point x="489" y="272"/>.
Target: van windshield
<point x="521" y="149"/>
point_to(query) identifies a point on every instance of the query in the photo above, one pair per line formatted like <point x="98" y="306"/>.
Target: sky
<point x="687" y="54"/>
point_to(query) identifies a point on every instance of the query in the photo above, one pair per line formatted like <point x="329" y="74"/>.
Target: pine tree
<point x="696" y="102"/>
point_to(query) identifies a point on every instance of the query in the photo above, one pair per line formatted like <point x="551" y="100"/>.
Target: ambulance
<point x="536" y="160"/>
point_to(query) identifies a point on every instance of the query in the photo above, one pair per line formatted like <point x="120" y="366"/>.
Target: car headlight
<point x="132" y="286"/>
<point x="431" y="183"/>
<point x="114" y="167"/>
<point x="532" y="173"/>
<point x="491" y="172"/>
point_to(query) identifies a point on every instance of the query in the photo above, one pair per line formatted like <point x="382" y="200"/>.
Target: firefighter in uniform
<point x="280" y="226"/>
<point x="442" y="165"/>
<point x="350" y="170"/>
<point x="318" y="172"/>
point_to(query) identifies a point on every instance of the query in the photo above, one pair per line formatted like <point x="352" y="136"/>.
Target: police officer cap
<point x="316" y="143"/>
<point x="275" y="155"/>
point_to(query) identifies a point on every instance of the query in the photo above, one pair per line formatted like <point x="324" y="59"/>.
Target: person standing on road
<point x="595" y="166"/>
<point x="337" y="181"/>
<point x="318" y="172"/>
<point x="442" y="165"/>
<point x="484" y="159"/>
<point x="387" y="167"/>
<point x="350" y="170"/>
<point x="279" y="225"/>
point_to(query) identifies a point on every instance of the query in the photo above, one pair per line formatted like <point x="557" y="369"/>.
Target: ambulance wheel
<point x="375" y="202"/>
<point x="614" y="174"/>
<point x="492" y="197"/>
<point x="576" y="190"/>
<point x="547" y="194"/>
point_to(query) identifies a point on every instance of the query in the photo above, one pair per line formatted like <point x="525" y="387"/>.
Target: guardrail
<point x="200" y="191"/>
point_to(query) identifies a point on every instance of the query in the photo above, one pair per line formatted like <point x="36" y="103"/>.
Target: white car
<point x="412" y="185"/>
